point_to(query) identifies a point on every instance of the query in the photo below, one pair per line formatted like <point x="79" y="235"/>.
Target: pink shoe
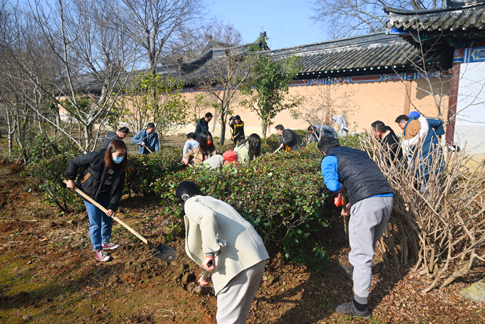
<point x="101" y="255"/>
<point x="110" y="246"/>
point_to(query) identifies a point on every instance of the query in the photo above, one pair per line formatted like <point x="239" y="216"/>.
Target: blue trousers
<point x="99" y="224"/>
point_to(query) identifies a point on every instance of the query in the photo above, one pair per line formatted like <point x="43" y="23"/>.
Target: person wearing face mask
<point x="249" y="149"/>
<point x="205" y="150"/>
<point x="102" y="178"/>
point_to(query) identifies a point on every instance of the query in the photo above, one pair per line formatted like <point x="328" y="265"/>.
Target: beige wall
<point x="360" y="103"/>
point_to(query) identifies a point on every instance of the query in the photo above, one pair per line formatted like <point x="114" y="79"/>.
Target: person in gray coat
<point x="221" y="241"/>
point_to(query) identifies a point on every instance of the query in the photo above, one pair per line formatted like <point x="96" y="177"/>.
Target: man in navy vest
<point x="352" y="171"/>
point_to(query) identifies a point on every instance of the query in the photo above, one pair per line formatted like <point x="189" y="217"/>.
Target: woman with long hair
<point x="205" y="150"/>
<point x="222" y="242"/>
<point x="249" y="149"/>
<point x="102" y="178"/>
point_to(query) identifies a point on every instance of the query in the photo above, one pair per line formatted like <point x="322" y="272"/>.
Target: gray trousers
<point x="235" y="299"/>
<point x="367" y="223"/>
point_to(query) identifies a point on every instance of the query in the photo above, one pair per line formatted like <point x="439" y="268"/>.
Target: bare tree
<point x="66" y="53"/>
<point x="191" y="42"/>
<point x="225" y="75"/>
<point x="322" y="102"/>
<point x="152" y="24"/>
<point x="437" y="223"/>
<point x="344" y="18"/>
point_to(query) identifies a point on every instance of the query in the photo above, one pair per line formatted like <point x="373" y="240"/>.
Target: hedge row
<point x="280" y="194"/>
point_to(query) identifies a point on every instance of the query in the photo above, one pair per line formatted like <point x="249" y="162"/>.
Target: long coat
<point x="213" y="226"/>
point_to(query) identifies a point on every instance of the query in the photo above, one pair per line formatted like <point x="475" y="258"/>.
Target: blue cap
<point x="414" y="114"/>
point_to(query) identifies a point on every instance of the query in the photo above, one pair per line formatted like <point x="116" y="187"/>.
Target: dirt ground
<point x="48" y="274"/>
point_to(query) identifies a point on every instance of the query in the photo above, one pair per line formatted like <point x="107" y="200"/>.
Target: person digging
<point x="103" y="179"/>
<point x="352" y="171"/>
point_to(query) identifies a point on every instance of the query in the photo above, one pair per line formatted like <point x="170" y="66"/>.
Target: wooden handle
<point x="277" y="150"/>
<point x="92" y="201"/>
<point x="148" y="149"/>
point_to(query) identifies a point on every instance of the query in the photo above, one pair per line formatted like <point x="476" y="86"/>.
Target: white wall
<point x="470" y="120"/>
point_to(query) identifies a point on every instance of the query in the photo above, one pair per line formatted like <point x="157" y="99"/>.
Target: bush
<point x="352" y="140"/>
<point x="279" y="194"/>
<point x="48" y="175"/>
<point x="147" y="169"/>
<point x="40" y="147"/>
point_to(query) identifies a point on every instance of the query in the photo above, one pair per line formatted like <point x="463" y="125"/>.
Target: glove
<point x="338" y="201"/>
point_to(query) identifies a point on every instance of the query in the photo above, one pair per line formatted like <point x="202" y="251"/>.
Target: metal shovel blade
<point x="163" y="252"/>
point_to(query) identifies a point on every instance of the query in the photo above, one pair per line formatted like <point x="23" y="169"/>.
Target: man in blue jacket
<point x="147" y="139"/>
<point x="352" y="171"/>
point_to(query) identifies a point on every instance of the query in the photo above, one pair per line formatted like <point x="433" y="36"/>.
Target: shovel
<point x="161" y="252"/>
<point x="199" y="289"/>
<point x="277" y="150"/>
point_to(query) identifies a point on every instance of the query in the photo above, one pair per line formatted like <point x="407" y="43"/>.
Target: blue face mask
<point x="255" y="144"/>
<point x="117" y="159"/>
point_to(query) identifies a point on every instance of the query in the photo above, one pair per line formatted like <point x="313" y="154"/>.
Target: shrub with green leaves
<point x="47" y="176"/>
<point x="279" y="194"/>
<point x="146" y="169"/>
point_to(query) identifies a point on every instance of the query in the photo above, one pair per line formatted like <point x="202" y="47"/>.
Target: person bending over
<point x="221" y="241"/>
<point x="200" y="153"/>
<point x="119" y="135"/>
<point x="389" y="141"/>
<point x="288" y="139"/>
<point x="190" y="144"/>
<point x="321" y="130"/>
<point x="351" y="170"/>
<point x="249" y="149"/>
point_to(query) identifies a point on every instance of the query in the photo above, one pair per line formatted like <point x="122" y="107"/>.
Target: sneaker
<point x="347" y="271"/>
<point x="101" y="255"/>
<point x="110" y="246"/>
<point x="349" y="309"/>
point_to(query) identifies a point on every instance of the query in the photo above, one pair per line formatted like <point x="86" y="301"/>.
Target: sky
<point x="287" y="23"/>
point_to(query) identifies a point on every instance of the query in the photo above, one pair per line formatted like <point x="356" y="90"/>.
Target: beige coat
<point x="242" y="153"/>
<point x="209" y="223"/>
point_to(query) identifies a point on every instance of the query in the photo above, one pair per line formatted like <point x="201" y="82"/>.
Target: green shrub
<point x="279" y="194"/>
<point x="351" y="140"/>
<point x="148" y="168"/>
<point x="40" y="147"/>
<point x="47" y="176"/>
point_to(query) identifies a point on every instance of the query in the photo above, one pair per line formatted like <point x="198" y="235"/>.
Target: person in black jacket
<point x="389" y="141"/>
<point x="288" y="139"/>
<point x="203" y="125"/>
<point x="119" y="135"/>
<point x="352" y="171"/>
<point x="237" y="129"/>
<point x="103" y="179"/>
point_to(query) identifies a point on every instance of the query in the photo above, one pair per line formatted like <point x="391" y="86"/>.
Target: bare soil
<point x="48" y="274"/>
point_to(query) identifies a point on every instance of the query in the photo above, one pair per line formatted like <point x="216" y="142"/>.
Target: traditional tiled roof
<point x="453" y="17"/>
<point x="365" y="54"/>
<point x="373" y="52"/>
